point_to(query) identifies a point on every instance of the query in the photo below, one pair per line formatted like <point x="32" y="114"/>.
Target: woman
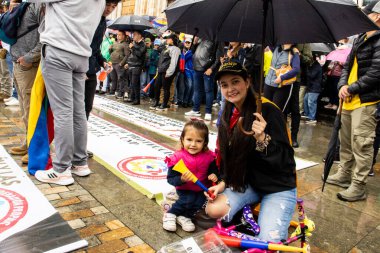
<point x="258" y="168"/>
<point x="274" y="89"/>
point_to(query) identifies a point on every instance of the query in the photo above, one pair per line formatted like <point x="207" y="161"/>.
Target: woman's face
<point x="286" y="46"/>
<point x="234" y="44"/>
<point x="234" y="88"/>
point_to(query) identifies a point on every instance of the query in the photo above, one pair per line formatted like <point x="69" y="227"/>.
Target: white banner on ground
<point x="133" y="158"/>
<point x="25" y="214"/>
<point x="162" y="125"/>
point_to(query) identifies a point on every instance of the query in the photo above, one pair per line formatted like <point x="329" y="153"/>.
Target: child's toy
<point x="233" y="238"/>
<point x="149" y="84"/>
<point x="181" y="168"/>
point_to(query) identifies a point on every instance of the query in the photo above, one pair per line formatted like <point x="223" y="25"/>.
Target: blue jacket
<point x="188" y="55"/>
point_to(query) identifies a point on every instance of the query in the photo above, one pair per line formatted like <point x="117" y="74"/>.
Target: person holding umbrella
<point x="254" y="168"/>
<point x="360" y="91"/>
<point x="135" y="64"/>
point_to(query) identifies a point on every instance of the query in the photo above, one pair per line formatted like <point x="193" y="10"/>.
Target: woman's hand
<point x="215" y="190"/>
<point x="258" y="127"/>
<point x="186" y="177"/>
<point x="278" y="80"/>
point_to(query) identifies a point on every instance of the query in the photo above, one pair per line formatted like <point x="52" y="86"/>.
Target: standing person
<point x="96" y="60"/>
<point x="313" y="89"/>
<point x="119" y="54"/>
<point x="359" y="89"/>
<point x="273" y="90"/>
<point x="153" y="62"/>
<point x="206" y="60"/>
<point x="254" y="168"/>
<point x="201" y="162"/>
<point x="5" y="80"/>
<point x="144" y="72"/>
<point x="333" y="75"/>
<point x="167" y="66"/>
<point x="66" y="37"/>
<point x="252" y="62"/>
<point x="26" y="55"/>
<point x="295" y="102"/>
<point x="136" y="62"/>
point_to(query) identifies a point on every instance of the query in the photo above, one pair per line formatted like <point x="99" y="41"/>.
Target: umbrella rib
<point x="224" y="19"/>
<point x="323" y="20"/>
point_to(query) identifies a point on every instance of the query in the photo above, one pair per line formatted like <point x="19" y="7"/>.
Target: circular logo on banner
<point x="148" y="167"/>
<point x="13" y="208"/>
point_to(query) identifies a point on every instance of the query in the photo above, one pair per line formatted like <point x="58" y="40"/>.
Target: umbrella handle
<point x="241" y="128"/>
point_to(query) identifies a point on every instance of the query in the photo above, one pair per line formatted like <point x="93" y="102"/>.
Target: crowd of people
<point x="69" y="41"/>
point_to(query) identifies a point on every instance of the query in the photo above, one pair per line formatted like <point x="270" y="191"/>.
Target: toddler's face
<point x="193" y="141"/>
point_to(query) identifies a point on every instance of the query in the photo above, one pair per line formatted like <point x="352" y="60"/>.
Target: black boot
<point x="294" y="141"/>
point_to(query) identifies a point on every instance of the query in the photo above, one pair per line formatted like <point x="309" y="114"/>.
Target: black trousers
<point x="165" y="83"/>
<point x="279" y="96"/>
<point x="89" y="93"/>
<point x="294" y="109"/>
<point x="134" y="78"/>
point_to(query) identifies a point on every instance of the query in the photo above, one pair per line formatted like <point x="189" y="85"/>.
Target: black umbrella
<point x="321" y="47"/>
<point x="131" y="23"/>
<point x="154" y="31"/>
<point x="269" y="22"/>
<point x="331" y="150"/>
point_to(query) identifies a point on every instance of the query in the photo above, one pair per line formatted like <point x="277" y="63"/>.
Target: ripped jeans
<point x="276" y="210"/>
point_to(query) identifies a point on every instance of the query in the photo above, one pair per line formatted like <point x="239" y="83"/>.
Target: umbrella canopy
<point x="321" y="47"/>
<point x="287" y="21"/>
<point x="339" y="55"/>
<point x="131" y="23"/>
<point x="154" y="31"/>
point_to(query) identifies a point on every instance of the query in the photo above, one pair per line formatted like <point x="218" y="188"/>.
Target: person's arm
<point x="174" y="53"/>
<point x="127" y="52"/>
<point x="218" y="53"/>
<point x="174" y="177"/>
<point x="33" y="55"/>
<point x="213" y="169"/>
<point x="295" y="63"/>
<point x="45" y="1"/>
<point x="138" y="50"/>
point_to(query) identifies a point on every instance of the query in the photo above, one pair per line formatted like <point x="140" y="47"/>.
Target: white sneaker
<point x="192" y="113"/>
<point x="208" y="116"/>
<point x="12" y="102"/>
<point x="7" y="99"/>
<point x="168" y="222"/>
<point x="53" y="177"/>
<point x="81" y="171"/>
<point x="186" y="223"/>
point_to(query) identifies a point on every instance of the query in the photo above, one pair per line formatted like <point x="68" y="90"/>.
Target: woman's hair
<point x="112" y="1"/>
<point x="290" y="49"/>
<point x="235" y="50"/>
<point x="201" y="127"/>
<point x="235" y="147"/>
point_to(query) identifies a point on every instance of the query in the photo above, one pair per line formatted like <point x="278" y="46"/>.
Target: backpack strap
<point x="31" y="28"/>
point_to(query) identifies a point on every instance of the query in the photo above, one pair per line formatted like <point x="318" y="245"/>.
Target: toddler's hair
<point x="198" y="125"/>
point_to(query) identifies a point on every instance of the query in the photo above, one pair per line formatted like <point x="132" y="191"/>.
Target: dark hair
<point x="200" y="126"/>
<point x="235" y="147"/>
<point x="112" y="1"/>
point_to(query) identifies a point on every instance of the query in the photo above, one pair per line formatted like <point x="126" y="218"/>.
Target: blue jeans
<point x="188" y="203"/>
<point x="310" y="105"/>
<point x="185" y="88"/>
<point x="203" y="84"/>
<point x="10" y="67"/>
<point x="276" y="210"/>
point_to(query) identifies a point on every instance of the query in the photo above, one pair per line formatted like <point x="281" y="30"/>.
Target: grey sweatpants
<point x="64" y="75"/>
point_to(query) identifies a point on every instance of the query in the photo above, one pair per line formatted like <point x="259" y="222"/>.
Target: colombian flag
<point x="40" y="128"/>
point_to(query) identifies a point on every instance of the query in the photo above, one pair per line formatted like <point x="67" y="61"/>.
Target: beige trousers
<point x="357" y="135"/>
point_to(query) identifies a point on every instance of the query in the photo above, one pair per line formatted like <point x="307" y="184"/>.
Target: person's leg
<point x="313" y="100"/>
<point x="209" y="91"/>
<point x="198" y="84"/>
<point x="121" y="82"/>
<point x="6" y="82"/>
<point x="276" y="211"/>
<point x="135" y="82"/>
<point x="301" y="97"/>
<point x="282" y="95"/>
<point x="180" y="89"/>
<point x="188" y="97"/>
<point x="269" y="92"/>
<point x="157" y="88"/>
<point x="295" y="111"/>
<point x="167" y="83"/>
<point x="114" y="78"/>
<point x="195" y="205"/>
<point x="306" y="105"/>
<point x="228" y="203"/>
<point x="79" y="118"/>
<point x="151" y="88"/>
<point x="334" y="99"/>
<point x="89" y="93"/>
<point x="376" y="146"/>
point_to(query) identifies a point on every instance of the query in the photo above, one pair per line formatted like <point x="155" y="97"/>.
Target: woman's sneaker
<point x="186" y="224"/>
<point x="81" y="171"/>
<point x="53" y="177"/>
<point x="169" y="222"/>
<point x="192" y="113"/>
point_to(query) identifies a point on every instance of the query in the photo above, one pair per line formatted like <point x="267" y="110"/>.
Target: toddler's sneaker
<point x="53" y="177"/>
<point x="81" y="171"/>
<point x="186" y="224"/>
<point x="208" y="117"/>
<point x="192" y="113"/>
<point x="168" y="222"/>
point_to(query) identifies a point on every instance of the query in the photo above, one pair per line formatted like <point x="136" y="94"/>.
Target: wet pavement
<point x="124" y="220"/>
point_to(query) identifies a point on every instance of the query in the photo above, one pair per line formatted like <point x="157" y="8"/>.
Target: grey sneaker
<point x="340" y="178"/>
<point x="354" y="193"/>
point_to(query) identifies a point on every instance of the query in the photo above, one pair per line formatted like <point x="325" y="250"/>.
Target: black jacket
<point x="137" y="56"/>
<point x="96" y="59"/>
<point x="368" y="56"/>
<point x="314" y="78"/>
<point x="207" y="55"/>
<point x="252" y="63"/>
